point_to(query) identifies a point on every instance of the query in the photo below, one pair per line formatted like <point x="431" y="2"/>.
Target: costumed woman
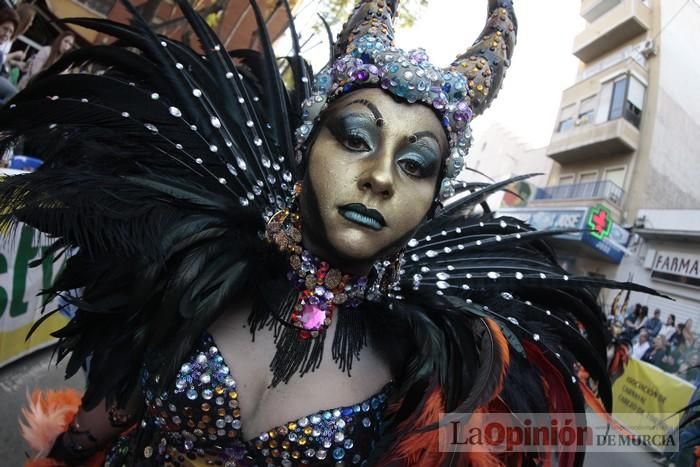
<point x="256" y="295"/>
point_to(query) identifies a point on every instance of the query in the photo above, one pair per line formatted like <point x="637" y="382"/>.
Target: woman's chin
<point x="356" y="244"/>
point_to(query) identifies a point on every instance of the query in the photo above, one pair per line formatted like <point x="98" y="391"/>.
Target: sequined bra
<point x="198" y="422"/>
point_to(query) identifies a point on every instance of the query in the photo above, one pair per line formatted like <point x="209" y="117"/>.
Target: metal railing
<point x="593" y="190"/>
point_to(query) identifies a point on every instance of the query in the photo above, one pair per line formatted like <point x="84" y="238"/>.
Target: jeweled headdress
<point x="365" y="56"/>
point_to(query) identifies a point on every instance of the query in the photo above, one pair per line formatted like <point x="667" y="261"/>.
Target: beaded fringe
<point x="295" y="355"/>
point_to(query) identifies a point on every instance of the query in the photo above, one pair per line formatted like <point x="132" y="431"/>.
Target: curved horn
<point x="485" y="63"/>
<point x="375" y="17"/>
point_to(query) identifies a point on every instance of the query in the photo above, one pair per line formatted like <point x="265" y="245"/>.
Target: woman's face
<point x="659" y="342"/>
<point x="67" y="44"/>
<point x="7" y="29"/>
<point x="371" y="178"/>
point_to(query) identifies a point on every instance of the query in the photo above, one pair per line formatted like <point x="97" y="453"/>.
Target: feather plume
<point x="46" y="416"/>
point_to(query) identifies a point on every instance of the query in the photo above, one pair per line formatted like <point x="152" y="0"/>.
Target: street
<point x="16" y="381"/>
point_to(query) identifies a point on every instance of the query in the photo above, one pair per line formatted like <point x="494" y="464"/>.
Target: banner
<point x="20" y="284"/>
<point x="645" y="394"/>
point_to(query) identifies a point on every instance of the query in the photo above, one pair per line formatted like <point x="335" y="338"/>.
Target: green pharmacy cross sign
<point x="600" y="222"/>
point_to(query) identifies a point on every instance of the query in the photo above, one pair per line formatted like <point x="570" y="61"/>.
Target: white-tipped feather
<point x="46" y="416"/>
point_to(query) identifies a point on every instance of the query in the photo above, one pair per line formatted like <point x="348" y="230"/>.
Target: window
<point x="587" y="186"/>
<point x="635" y="101"/>
<point x="586" y="111"/>
<point x="100" y="6"/>
<point x="603" y="111"/>
<point x="617" y="176"/>
<point x="622" y="98"/>
<point x="588" y="177"/>
<point x="566" y="179"/>
<point x="617" y="103"/>
<point x="566" y="118"/>
<point x="613" y="189"/>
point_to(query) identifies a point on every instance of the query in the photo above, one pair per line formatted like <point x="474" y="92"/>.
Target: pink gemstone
<point x="312" y="317"/>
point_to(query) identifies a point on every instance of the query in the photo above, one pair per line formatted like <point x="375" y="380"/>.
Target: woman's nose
<point x="378" y="175"/>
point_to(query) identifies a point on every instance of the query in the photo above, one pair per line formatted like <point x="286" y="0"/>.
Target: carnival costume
<point x="170" y="179"/>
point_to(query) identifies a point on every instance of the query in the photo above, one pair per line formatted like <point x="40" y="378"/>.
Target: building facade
<point x="626" y="160"/>
<point x="233" y="20"/>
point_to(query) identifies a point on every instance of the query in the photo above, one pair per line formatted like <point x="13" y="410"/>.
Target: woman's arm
<point x="92" y="430"/>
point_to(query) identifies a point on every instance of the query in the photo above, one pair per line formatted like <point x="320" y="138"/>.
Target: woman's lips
<point x="362" y="215"/>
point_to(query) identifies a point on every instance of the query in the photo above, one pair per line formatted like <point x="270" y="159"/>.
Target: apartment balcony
<point x="627" y="20"/>
<point x="591" y="10"/>
<point x="587" y="141"/>
<point x="603" y="190"/>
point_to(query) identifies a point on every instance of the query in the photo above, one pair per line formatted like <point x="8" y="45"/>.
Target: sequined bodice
<point x="199" y="418"/>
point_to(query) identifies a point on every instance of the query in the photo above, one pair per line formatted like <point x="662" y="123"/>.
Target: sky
<point x="542" y="66"/>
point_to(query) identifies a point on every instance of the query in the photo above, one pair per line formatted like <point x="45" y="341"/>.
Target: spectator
<point x="655" y="355"/>
<point x="671" y="362"/>
<point x="653" y="324"/>
<point x="690" y="369"/>
<point x="669" y="328"/>
<point x="683" y="339"/>
<point x="642" y="345"/>
<point x="688" y="336"/>
<point x="8" y="25"/>
<point x="47" y="56"/>
<point x="26" y="14"/>
<point x="636" y="320"/>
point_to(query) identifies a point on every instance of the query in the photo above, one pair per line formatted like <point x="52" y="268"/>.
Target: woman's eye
<point x="412" y="167"/>
<point x="356" y="143"/>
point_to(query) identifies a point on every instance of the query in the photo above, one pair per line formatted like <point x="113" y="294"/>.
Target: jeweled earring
<point x="392" y="271"/>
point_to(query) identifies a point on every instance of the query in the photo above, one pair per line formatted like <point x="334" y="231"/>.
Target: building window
<point x="566" y="179"/>
<point x="617" y="103"/>
<point x="588" y="177"/>
<point x="586" y="111"/>
<point x="617" y="176"/>
<point x="635" y="101"/>
<point x="100" y="6"/>
<point x="566" y="118"/>
<point x="622" y="97"/>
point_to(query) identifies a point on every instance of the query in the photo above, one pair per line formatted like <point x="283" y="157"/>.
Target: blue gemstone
<point x="347" y="88"/>
<point x="365" y="58"/>
<point x="356" y="408"/>
<point x="375" y="403"/>
<point x="327" y="415"/>
<point x="365" y="407"/>
<point x="447" y="87"/>
<point x="338" y="453"/>
<point x="346" y="412"/>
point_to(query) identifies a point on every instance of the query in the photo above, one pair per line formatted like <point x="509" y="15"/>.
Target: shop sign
<point x="551" y="219"/>
<point x="599" y="222"/>
<point x="598" y="230"/>
<point x="612" y="244"/>
<point x="677" y="267"/>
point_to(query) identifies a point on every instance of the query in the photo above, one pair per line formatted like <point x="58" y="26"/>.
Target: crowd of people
<point x="663" y="342"/>
<point x="17" y="64"/>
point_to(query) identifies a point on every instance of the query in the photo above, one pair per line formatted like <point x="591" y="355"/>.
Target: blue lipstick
<point x="362" y="215"/>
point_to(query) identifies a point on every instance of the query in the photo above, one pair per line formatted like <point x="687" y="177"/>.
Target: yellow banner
<point x="645" y="396"/>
